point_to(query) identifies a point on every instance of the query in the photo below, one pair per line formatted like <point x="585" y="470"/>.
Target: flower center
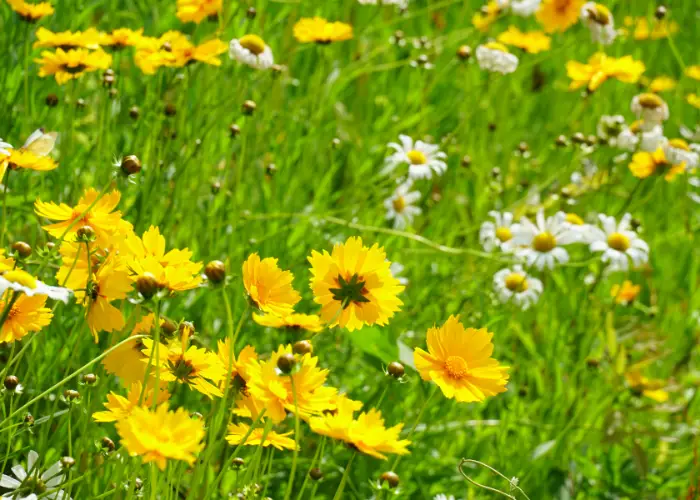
<point x="650" y="101"/>
<point x="600" y="14"/>
<point x="73" y="70"/>
<point x="456" y="367"/>
<point x="21" y="278"/>
<point x="35" y="485"/>
<point x="496" y="46"/>
<point x="182" y="369"/>
<point x="574" y="219"/>
<point x="544" y="242"/>
<point x="516" y="282"/>
<point x="399" y="203"/>
<point x="504" y="234"/>
<point x="679" y="144"/>
<point x="619" y="242"/>
<point x="350" y="291"/>
<point x="14" y="311"/>
<point x="417" y="157"/>
<point x="253" y="43"/>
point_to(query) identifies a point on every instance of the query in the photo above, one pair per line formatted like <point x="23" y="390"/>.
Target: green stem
<point x="415" y="424"/>
<point x="339" y="493"/>
<point x="319" y="453"/>
<point x="290" y="484"/>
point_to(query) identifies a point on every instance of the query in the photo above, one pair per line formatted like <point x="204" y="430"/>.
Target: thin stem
<point x="319" y="453"/>
<point x="415" y="424"/>
<point x="339" y="493"/>
<point x="290" y="484"/>
<point x="6" y="188"/>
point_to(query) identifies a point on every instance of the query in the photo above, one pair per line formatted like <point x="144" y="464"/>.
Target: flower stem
<point x="339" y="493"/>
<point x="415" y="424"/>
<point x="290" y="484"/>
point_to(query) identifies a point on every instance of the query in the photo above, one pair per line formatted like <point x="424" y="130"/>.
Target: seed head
<point x="238" y="462"/>
<point x="70" y="394"/>
<point x="391" y="478"/>
<point x="660" y="12"/>
<point x="107" y="444"/>
<point x="131" y="165"/>
<point x="86" y="234"/>
<point x="11" y="382"/>
<point x="396" y="369"/>
<point x="248" y="107"/>
<point x="23" y="249"/>
<point x="251" y="13"/>
<point x="134" y="112"/>
<point x="316" y="474"/>
<point x="52" y="100"/>
<point x="215" y="271"/>
<point x="147" y="285"/>
<point x="464" y="52"/>
<point x="303" y="347"/>
<point x="235" y="130"/>
<point x="170" y="109"/>
<point x="286" y="363"/>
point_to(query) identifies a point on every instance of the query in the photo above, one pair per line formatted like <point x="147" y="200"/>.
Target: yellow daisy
<point x="693" y="71"/>
<point x="600" y="68"/>
<point x="650" y="388"/>
<point x="207" y="53"/>
<point x="459" y="361"/>
<point x="559" y="15"/>
<point x="662" y="84"/>
<point x="625" y="293"/>
<point x="197" y="10"/>
<point x="532" y="42"/>
<point x="22" y="158"/>
<point x="645" y="164"/>
<point x="111" y="282"/>
<point x="31" y="12"/>
<point x="120" y="407"/>
<point x="484" y="18"/>
<point x="693" y="100"/>
<point x="236" y="366"/>
<point x="269" y="288"/>
<point x="122" y="37"/>
<point x="308" y="322"/>
<point x="66" y="40"/>
<point x="127" y="361"/>
<point x="236" y="433"/>
<point x="65" y="65"/>
<point x="26" y="315"/>
<point x="318" y="30"/>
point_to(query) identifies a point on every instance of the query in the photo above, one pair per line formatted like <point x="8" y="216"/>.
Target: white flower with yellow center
<point x="634" y="138"/>
<point x="23" y="282"/>
<point x="618" y="242"/>
<point x="251" y="50"/>
<point x="400" y="4"/>
<point x="497" y="234"/>
<point x="32" y="483"/>
<point x="494" y="56"/>
<point x="610" y="127"/>
<point x="600" y="22"/>
<point x="423" y="159"/>
<point x="651" y="109"/>
<point x="515" y="285"/>
<point x="542" y="242"/>
<point x="400" y="205"/>
<point x="678" y="151"/>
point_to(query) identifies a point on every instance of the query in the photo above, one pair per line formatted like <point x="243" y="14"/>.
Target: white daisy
<point x="400" y="4"/>
<point x="30" y="482"/>
<point x="495" y="57"/>
<point x="633" y="138"/>
<point x="618" y="242"/>
<point x="610" y="127"/>
<point x="423" y="159"/>
<point x="497" y="234"/>
<point x="542" y="242"/>
<point x="22" y="281"/>
<point x="251" y="50"/>
<point x="678" y="151"/>
<point x="442" y="496"/>
<point x="400" y="205"/>
<point x="517" y="286"/>
<point x="600" y="22"/>
<point x="524" y="8"/>
<point x="4" y="147"/>
<point x="651" y="109"/>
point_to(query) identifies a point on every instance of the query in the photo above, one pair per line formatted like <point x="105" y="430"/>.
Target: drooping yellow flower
<point x="122" y="37"/>
<point x="120" y="407"/>
<point x="66" y="40"/>
<point x="274" y="389"/>
<point x="319" y="30"/>
<point x="459" y="361"/>
<point x="31" y="12"/>
<point x="367" y="433"/>
<point x="197" y="10"/>
<point x="662" y="84"/>
<point x="693" y="71"/>
<point x="532" y="42"/>
<point x="236" y="433"/>
<point x="645" y="164"/>
<point x="27" y="315"/>
<point x="650" y="388"/>
<point x="354" y="285"/>
<point x="559" y="15"/>
<point x="308" y="322"/>
<point x="269" y="288"/>
<point x="127" y="361"/>
<point x="160" y="435"/>
<point x="484" y="18"/>
<point x="600" y="68"/>
<point x="626" y="293"/>
<point x="65" y="65"/>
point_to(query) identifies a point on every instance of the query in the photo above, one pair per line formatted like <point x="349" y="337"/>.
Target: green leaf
<point x="375" y="342"/>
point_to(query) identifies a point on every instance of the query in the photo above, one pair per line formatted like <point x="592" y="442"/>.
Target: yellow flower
<point x="317" y="29"/>
<point x="111" y="282"/>
<point x="532" y="42"/>
<point x="22" y="158"/>
<point x="66" y="40"/>
<point x="662" y="84"/>
<point x="120" y="407"/>
<point x="574" y="219"/>
<point x="645" y="164"/>
<point x="6" y="263"/>
<point x="127" y="361"/>
<point x="559" y="15"/>
<point x="196" y="10"/>
<point x="122" y="37"/>
<point x="27" y="315"/>
<point x="354" y="285"/>
<point x="31" y="12"/>
<point x="73" y="63"/>
<point x="600" y="68"/>
<point x="660" y="29"/>
<point x="308" y="322"/>
<point x="459" y="361"/>
<point x="160" y="435"/>
<point x="236" y="433"/>
<point x="268" y="286"/>
<point x="274" y="389"/>
<point x="650" y="388"/>
<point x="236" y="366"/>
<point x="626" y="293"/>
<point x="693" y="100"/>
<point x="367" y="433"/>
<point x="207" y="53"/>
<point x="693" y="72"/>
<point x="483" y="19"/>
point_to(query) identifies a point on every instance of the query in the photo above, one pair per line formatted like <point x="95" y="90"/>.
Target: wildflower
<point x="618" y="242"/>
<point x="207" y="53"/>
<point x="544" y="240"/>
<point x="251" y="50"/>
<point x="274" y="389"/>
<point x="120" y="407"/>
<point x="662" y="84"/>
<point x="483" y="19"/>
<point x="625" y="293"/>
<point x="22" y="282"/>
<point x="161" y="434"/>
<point x="354" y="285"/>
<point x="677" y="151"/>
<point x="367" y="433"/>
<point x="650" y="388"/>
<point x="634" y="137"/>
<point x="31" y="482"/>
<point x="127" y="360"/>
<point x="693" y="71"/>
<point x="21" y="158"/>
<point x="644" y="164"/>
<point x="27" y="314"/>
<point x="693" y="100"/>
<point x="524" y="8"/>
<point x="423" y="159"/>
<point x="558" y="15"/>
<point x="459" y="362"/>
<point x="65" y="65"/>
<point x="236" y="366"/>
<point x="400" y="4"/>
<point x="320" y="31"/>
<point x="236" y="433"/>
<point x="442" y="496"/>
<point x="660" y="29"/>
<point x="600" y="68"/>
<point x="494" y="56"/>
<point x="600" y="22"/>
<point x="66" y="40"/>
<point x="268" y="287"/>
<point x="532" y="42"/>
<point x="122" y="37"/>
<point x="197" y="10"/>
<point x="307" y="322"/>
<point x="31" y="12"/>
<point x="515" y="285"/>
<point x="651" y="109"/>
<point x="497" y="234"/>
<point x="399" y="206"/>
<point x="610" y="127"/>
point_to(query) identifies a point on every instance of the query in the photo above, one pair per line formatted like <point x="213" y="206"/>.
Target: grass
<point x="303" y="173"/>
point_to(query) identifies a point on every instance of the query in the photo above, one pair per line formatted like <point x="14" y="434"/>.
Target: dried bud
<point x="238" y="462"/>
<point x="248" y="107"/>
<point x="215" y="187"/>
<point x="399" y="35"/>
<point x="50" y="245"/>
<point x="138" y="484"/>
<point x="80" y="103"/>
<point x="52" y="100"/>
<point x="466" y="161"/>
<point x="562" y="141"/>
<point x="495" y="172"/>
<point x="131" y="165"/>
<point x="147" y="285"/>
<point x="391" y="478"/>
<point x="107" y="444"/>
<point x="113" y="93"/>
<point x="70" y="394"/>
<point x="335" y="143"/>
<point x="592" y="363"/>
<point x="523" y="147"/>
<point x="591" y="140"/>
<point x="89" y="378"/>
<point x="134" y="112"/>
<point x="11" y="382"/>
<point x="169" y="327"/>
<point x="86" y="234"/>
<point x="215" y="271"/>
<point x="660" y="12"/>
<point x="522" y="392"/>
<point x="235" y="130"/>
<point x="286" y="363"/>
<point x="251" y="13"/>
<point x="464" y="52"/>
<point x="271" y="169"/>
<point x="316" y="474"/>
<point x="166" y="47"/>
<point x="396" y="369"/>
<point x="67" y="462"/>
<point x="170" y="109"/>
<point x="23" y="249"/>
<point x="578" y="138"/>
<point x="492" y="127"/>
<point x="29" y="419"/>
<point x="108" y="78"/>
<point x="303" y="347"/>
